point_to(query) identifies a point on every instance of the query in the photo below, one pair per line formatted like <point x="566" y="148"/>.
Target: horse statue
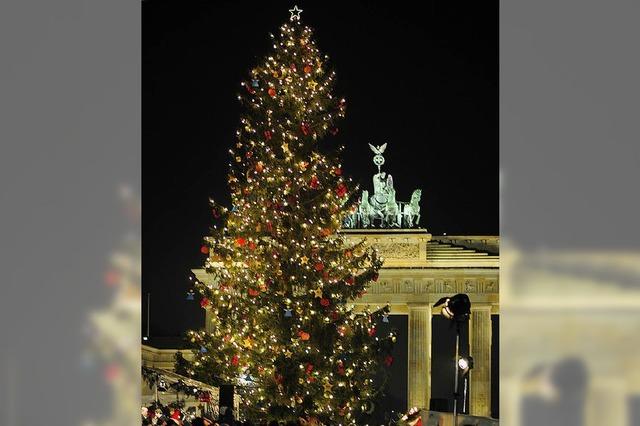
<point x="412" y="210"/>
<point x="391" y="211"/>
<point x="364" y="210"/>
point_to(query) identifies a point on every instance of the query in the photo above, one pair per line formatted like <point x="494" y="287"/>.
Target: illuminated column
<point x="419" y="380"/>
<point x="480" y="350"/>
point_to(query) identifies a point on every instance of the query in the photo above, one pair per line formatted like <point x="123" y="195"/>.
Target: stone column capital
<point x="419" y="306"/>
<point x="481" y="307"/>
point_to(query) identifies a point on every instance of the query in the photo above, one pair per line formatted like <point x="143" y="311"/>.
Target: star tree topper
<point x="295" y="13"/>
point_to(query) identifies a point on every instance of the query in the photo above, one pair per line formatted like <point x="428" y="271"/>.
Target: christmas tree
<point x="283" y="279"/>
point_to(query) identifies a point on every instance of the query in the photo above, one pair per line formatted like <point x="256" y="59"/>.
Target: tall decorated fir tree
<point x="282" y="278"/>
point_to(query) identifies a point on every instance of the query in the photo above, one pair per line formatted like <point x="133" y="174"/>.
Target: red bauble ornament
<point x="319" y="266"/>
<point x="313" y="183"/>
<point x="307" y="69"/>
<point x="325" y="302"/>
<point x="337" y="171"/>
<point x="334" y="131"/>
<point x="252" y="245"/>
<point x="372" y="331"/>
<point x="341" y="190"/>
<point x="267" y="134"/>
<point x="309" y="368"/>
<point x="249" y="88"/>
<point x="204" y="302"/>
<point x="240" y="242"/>
<point x="204" y="249"/>
<point x="293" y="67"/>
<point x="375" y="277"/>
<point x="334" y="315"/>
<point x="388" y="360"/>
<point x="271" y="92"/>
<point x="341" y="368"/>
<point x="235" y="360"/>
<point x="303" y="335"/>
<point x="349" y="281"/>
<point x="305" y="128"/>
<point x="253" y="292"/>
<point x="249" y="154"/>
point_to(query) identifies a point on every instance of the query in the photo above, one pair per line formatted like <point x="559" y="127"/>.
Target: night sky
<point x="424" y="81"/>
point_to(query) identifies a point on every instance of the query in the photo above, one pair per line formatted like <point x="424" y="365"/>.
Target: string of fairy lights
<point x="281" y="280"/>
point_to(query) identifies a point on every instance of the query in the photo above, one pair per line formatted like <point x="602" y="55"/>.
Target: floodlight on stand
<point x="458" y="309"/>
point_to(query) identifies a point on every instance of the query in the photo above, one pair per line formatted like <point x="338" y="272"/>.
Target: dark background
<point x="423" y="80"/>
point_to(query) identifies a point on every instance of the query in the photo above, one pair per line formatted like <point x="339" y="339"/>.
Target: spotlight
<point x="465" y="364"/>
<point x="456" y="307"/>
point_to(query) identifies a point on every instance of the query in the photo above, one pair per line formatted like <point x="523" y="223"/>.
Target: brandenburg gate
<point x="418" y="270"/>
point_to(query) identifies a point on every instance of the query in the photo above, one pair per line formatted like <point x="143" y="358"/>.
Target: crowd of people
<point x="160" y="415"/>
<point x="164" y="416"/>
